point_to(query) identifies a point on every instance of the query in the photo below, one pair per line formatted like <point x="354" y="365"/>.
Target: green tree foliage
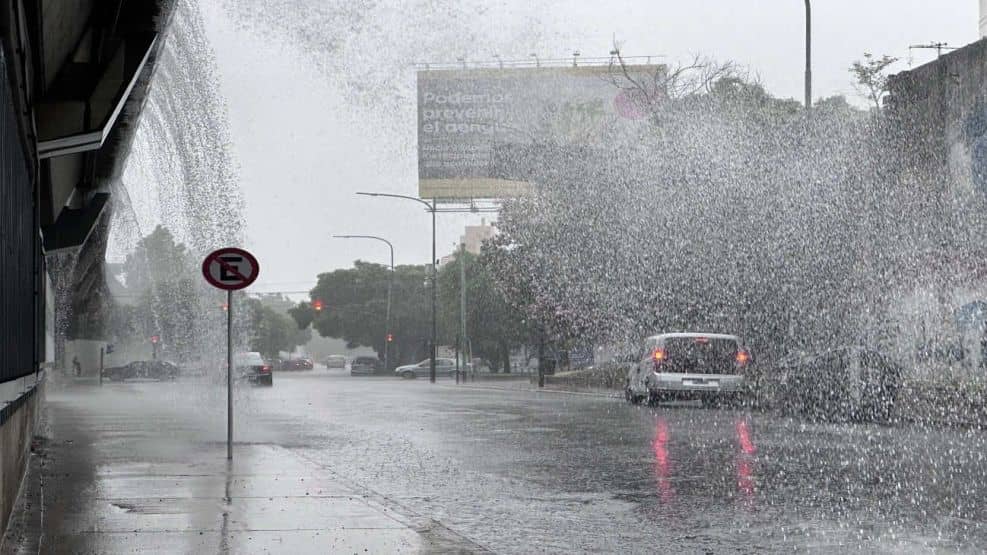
<point x="164" y="300"/>
<point x="871" y="78"/>
<point x="355" y="303"/>
<point x="730" y="212"/>
<point x="494" y="326"/>
<point x="272" y="330"/>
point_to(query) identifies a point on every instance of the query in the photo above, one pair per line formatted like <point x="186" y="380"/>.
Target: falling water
<point x="182" y="175"/>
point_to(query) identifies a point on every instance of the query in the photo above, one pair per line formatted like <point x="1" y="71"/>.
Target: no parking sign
<point x="230" y="269"/>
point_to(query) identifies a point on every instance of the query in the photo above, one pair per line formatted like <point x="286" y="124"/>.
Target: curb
<point x="602" y="394"/>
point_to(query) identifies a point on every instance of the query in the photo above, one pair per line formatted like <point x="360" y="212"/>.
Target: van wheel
<point x="654" y="398"/>
<point x="633" y="399"/>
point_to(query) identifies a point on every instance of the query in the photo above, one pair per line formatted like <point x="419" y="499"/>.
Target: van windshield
<point x="701" y="355"/>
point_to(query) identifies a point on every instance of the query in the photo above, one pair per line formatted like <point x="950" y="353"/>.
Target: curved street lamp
<point x="390" y="287"/>
<point x="431" y="208"/>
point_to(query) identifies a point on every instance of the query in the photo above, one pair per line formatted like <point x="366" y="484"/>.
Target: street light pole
<point x="435" y="300"/>
<point x="431" y="208"/>
<point x="808" y="58"/>
<point x="390" y="287"/>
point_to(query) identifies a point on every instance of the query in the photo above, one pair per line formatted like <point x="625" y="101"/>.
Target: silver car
<point x="443" y="367"/>
<point x="705" y="366"/>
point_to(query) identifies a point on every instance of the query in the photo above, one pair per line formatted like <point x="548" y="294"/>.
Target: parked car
<point x="365" y="366"/>
<point x="335" y="361"/>
<point x="146" y="369"/>
<point x="298" y="363"/>
<point x="443" y="367"/>
<point x="253" y="368"/>
<point x="704" y="366"/>
<point x="847" y="383"/>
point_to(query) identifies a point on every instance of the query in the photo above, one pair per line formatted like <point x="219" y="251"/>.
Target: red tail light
<point x="742" y="357"/>
<point x="264" y="369"/>
<point x="659" y="356"/>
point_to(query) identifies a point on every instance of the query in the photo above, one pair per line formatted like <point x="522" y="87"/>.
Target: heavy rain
<point x="493" y="277"/>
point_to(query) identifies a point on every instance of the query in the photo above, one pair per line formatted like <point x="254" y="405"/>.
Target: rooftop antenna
<point x="575" y="56"/>
<point x="937" y="46"/>
<point x="535" y="56"/>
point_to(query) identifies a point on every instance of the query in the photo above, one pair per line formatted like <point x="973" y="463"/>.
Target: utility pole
<point x="462" y="304"/>
<point x="435" y="301"/>
<point x="541" y="357"/>
<point x="435" y="328"/>
<point x="808" y="58"/>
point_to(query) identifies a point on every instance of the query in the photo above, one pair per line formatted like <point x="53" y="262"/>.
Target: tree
<point x="355" y="303"/>
<point x="728" y="213"/>
<point x="157" y="258"/>
<point x="493" y="326"/>
<point x="159" y="274"/>
<point x="272" y="330"/>
<point x="871" y="79"/>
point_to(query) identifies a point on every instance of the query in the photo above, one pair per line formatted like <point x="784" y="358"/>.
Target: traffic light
<point x="390" y="337"/>
<point x="155" y="338"/>
<point x="317" y="305"/>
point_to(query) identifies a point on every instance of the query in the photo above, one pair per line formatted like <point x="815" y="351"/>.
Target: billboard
<point x="471" y="122"/>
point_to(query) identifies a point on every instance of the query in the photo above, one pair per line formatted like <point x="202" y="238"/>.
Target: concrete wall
<point x="938" y="140"/>
<point x="18" y="423"/>
<point x="939" y="111"/>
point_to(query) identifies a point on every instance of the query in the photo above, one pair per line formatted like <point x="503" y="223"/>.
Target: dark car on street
<point x="298" y="363"/>
<point x="366" y="366"/>
<point x="851" y="383"/>
<point x="143" y="369"/>
<point x="253" y="368"/>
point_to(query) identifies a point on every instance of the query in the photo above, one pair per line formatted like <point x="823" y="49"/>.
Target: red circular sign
<point x="230" y="268"/>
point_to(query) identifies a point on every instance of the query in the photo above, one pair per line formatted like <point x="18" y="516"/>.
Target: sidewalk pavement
<point x="114" y="474"/>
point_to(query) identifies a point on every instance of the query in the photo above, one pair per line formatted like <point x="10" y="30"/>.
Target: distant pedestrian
<point x="76" y="366"/>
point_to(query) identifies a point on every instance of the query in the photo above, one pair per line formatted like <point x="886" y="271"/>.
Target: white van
<point x="701" y="366"/>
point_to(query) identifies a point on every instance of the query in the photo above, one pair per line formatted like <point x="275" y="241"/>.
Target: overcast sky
<point x="313" y="125"/>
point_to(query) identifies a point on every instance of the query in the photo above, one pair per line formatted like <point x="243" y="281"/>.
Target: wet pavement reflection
<point x="518" y="472"/>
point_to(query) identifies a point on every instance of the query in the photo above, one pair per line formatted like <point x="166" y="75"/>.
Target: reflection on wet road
<point x="518" y="471"/>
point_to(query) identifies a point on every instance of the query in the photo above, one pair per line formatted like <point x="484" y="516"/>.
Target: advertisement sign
<point x="473" y="123"/>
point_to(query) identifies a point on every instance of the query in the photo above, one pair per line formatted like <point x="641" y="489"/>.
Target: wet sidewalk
<point x="105" y="480"/>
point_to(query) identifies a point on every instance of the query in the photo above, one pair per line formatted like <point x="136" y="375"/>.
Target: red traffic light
<point x="155" y="338"/>
<point x="390" y="337"/>
<point x="317" y="305"/>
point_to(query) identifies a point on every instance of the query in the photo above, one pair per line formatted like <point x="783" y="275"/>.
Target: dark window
<point x="700" y="355"/>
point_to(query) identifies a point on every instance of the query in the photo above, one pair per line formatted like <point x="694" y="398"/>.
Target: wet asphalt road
<point x="520" y="472"/>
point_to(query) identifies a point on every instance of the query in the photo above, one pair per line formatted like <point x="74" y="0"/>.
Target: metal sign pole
<point x="229" y="375"/>
<point x="230" y="269"/>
